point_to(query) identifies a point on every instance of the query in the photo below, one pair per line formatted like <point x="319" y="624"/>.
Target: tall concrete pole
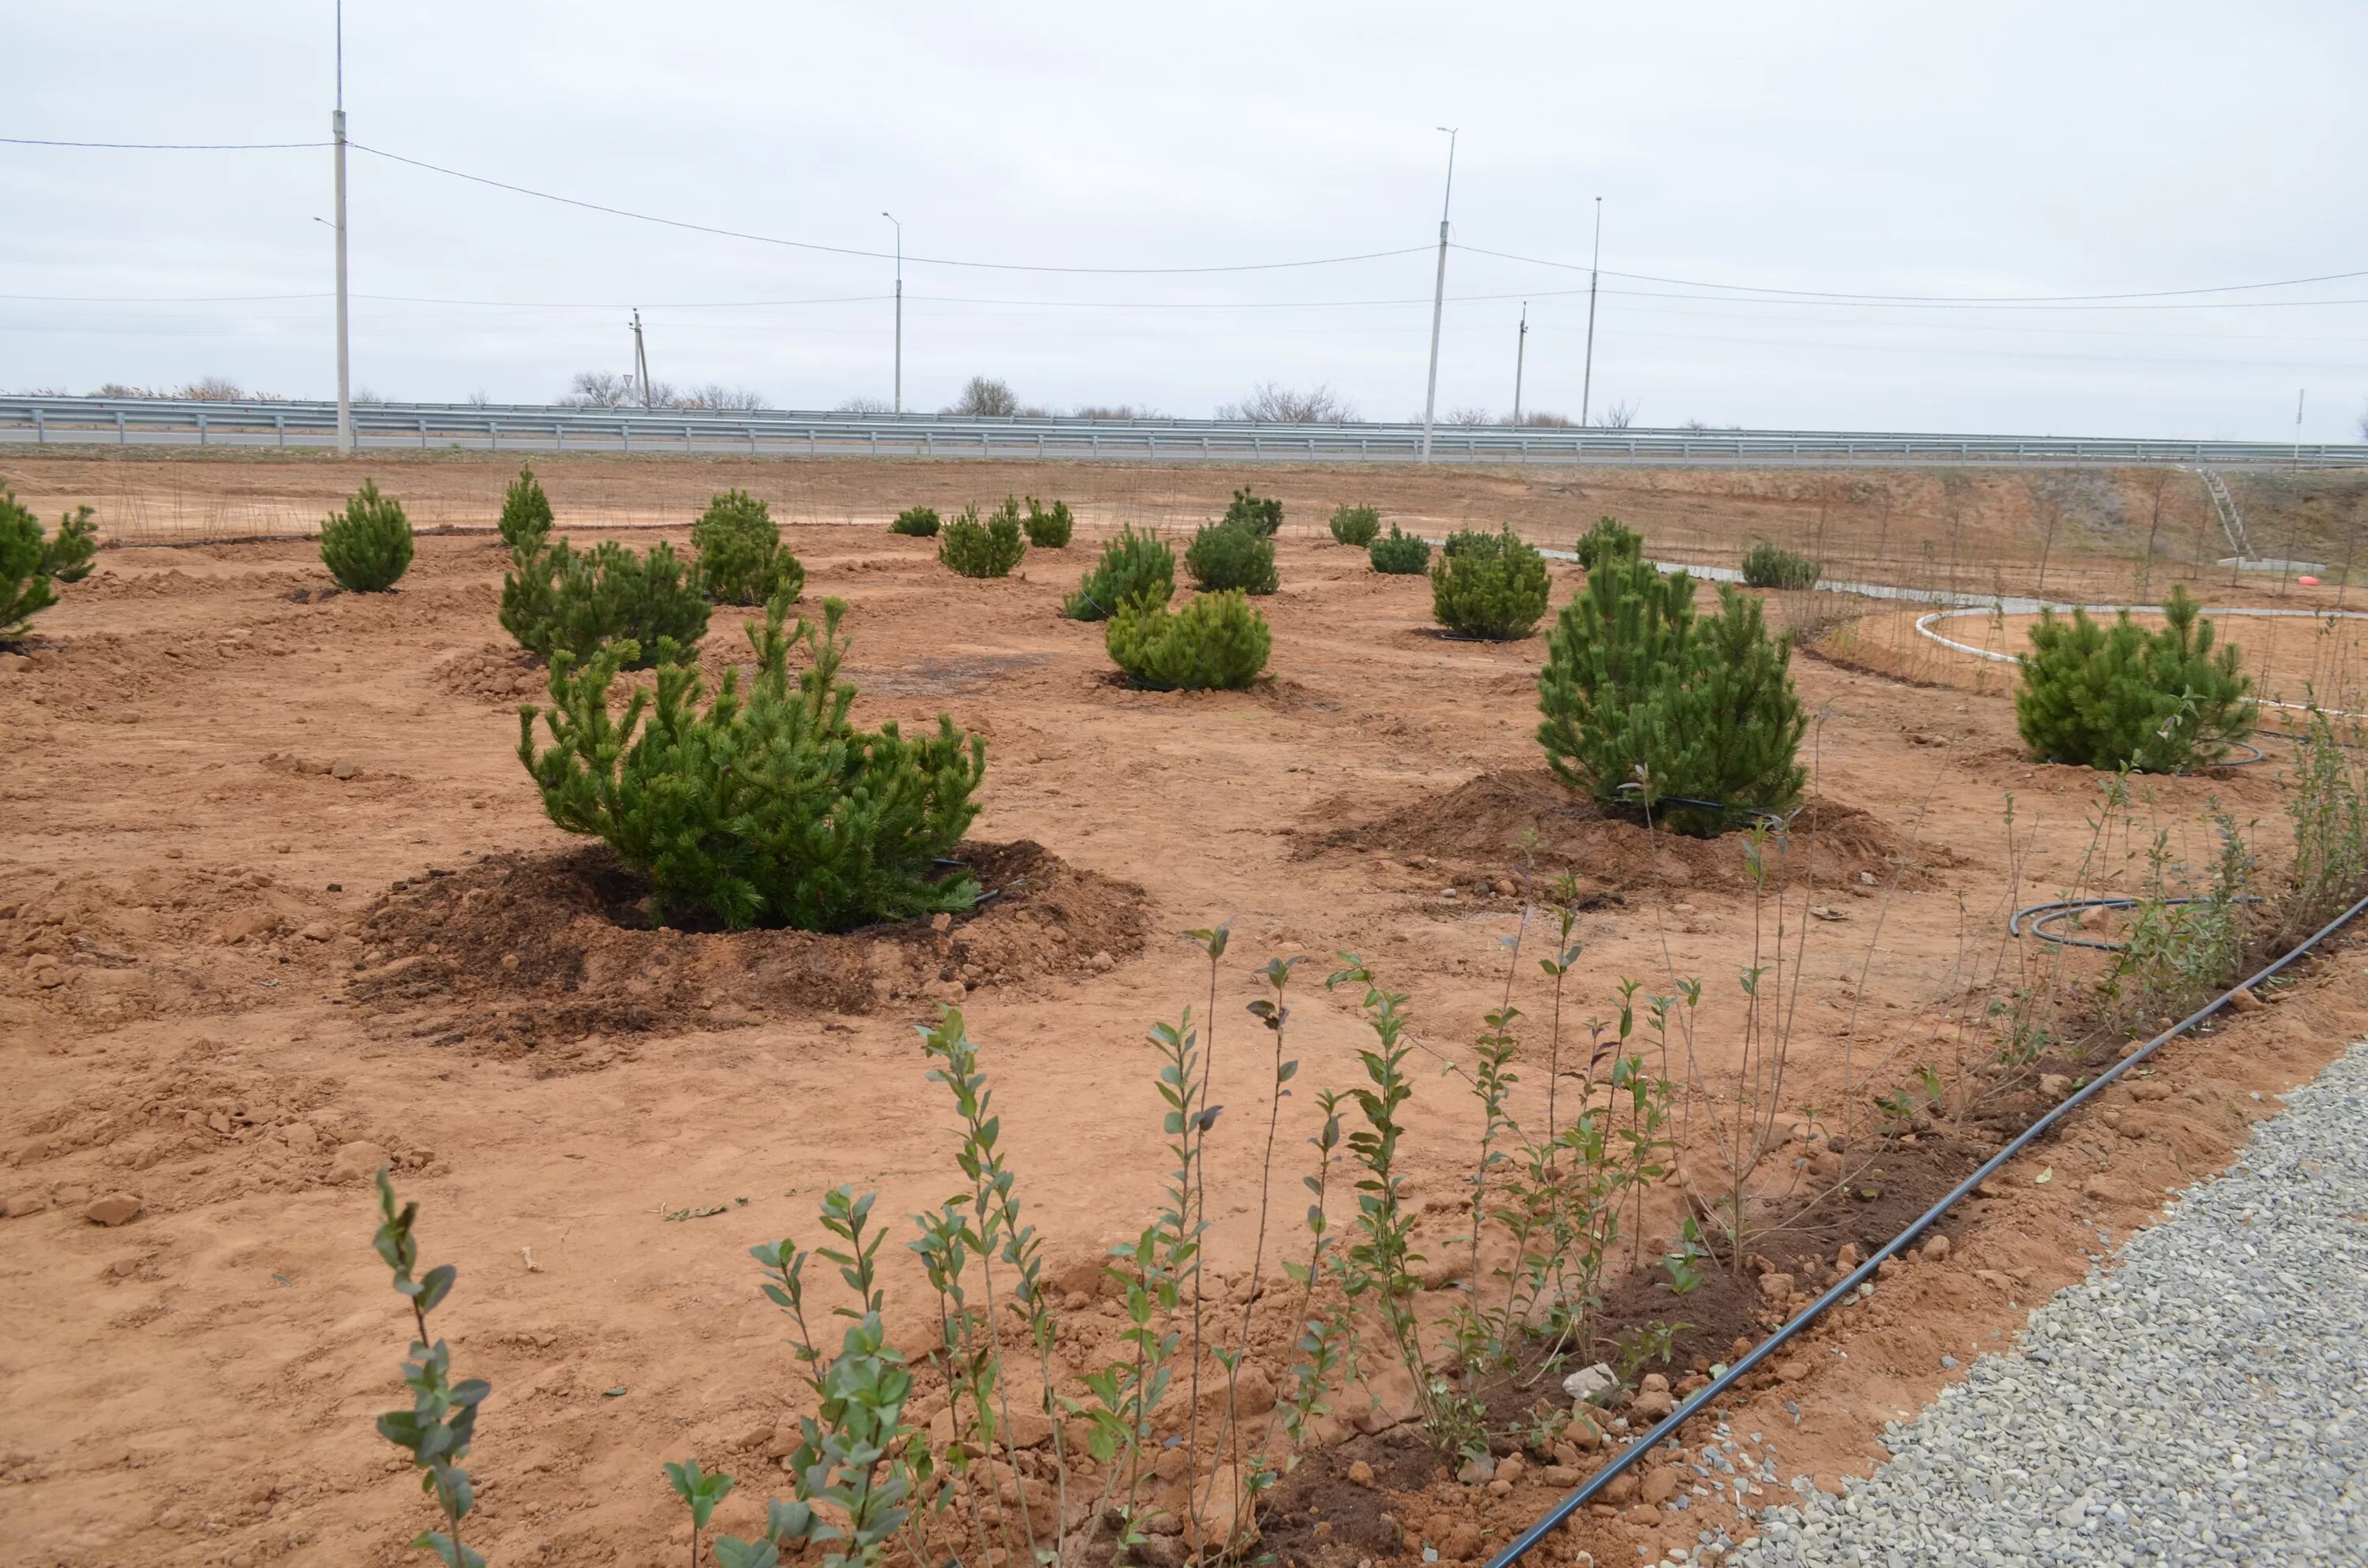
<point x="1587" y="382"/>
<point x="1437" y="297"/>
<point x="344" y="356"/>
<point x="1520" y="350"/>
<point x="900" y="310"/>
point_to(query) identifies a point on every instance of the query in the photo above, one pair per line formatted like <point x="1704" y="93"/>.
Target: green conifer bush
<point x="1766" y="566"/>
<point x="990" y="548"/>
<point x="1356" y="525"/>
<point x="2167" y="701"/>
<point x="766" y="807"/>
<point x="1638" y="690"/>
<point x="1489" y="586"/>
<point x="30" y="563"/>
<point x="1227" y="555"/>
<point x="1262" y="515"/>
<point x="1399" y="553"/>
<point x="1136" y="564"/>
<point x="557" y="600"/>
<point x="526" y="511"/>
<point x="1215" y="642"/>
<point x="1049" y="529"/>
<point x="740" y="561"/>
<point x="1608" y="538"/>
<point x="368" y="546"/>
<point x="915" y="522"/>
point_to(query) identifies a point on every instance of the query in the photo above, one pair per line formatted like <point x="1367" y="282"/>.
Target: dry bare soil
<point x="277" y="900"/>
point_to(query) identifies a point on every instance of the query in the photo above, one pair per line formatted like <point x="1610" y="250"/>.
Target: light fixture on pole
<point x="1587" y="382"/>
<point x="1520" y="350"/>
<point x="900" y="310"/>
<point x="1439" y="296"/>
<point x="337" y="138"/>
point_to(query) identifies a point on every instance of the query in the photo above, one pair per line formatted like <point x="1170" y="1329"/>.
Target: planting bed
<point x="270" y="856"/>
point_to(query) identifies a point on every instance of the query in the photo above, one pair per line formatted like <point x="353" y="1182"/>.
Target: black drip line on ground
<point x="1522" y="1544"/>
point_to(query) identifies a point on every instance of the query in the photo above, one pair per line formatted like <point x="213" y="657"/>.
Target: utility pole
<point x="1438" y="297"/>
<point x="1520" y="347"/>
<point x="345" y="359"/>
<point x="1594" y="269"/>
<point x="900" y="310"/>
<point x="641" y="359"/>
<point x="2300" y="393"/>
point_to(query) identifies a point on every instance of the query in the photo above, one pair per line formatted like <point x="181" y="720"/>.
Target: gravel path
<point x="2206" y="1402"/>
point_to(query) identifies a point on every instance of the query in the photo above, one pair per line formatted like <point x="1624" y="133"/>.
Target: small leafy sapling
<point x="437" y="1430"/>
<point x="1325" y="1340"/>
<point x="700" y="1490"/>
<point x="1684" y="1261"/>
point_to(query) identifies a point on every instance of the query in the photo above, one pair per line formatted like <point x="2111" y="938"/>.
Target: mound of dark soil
<point x="534" y="952"/>
<point x="1505" y="821"/>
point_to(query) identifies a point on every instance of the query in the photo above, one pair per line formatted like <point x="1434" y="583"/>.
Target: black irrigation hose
<point x="2042" y="915"/>
<point x="1520" y="1545"/>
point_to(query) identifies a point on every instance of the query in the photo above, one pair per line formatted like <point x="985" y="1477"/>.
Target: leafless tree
<point x="718" y="398"/>
<point x="1547" y="419"/>
<point x="986" y="397"/>
<point x="1270" y="402"/>
<point x="1618" y="416"/>
<point x="478" y="399"/>
<point x="117" y="389"/>
<point x="598" y="389"/>
<point x="213" y="388"/>
<point x="864" y="406"/>
<point x="1118" y="411"/>
<point x="2364" y="423"/>
<point x="1469" y="416"/>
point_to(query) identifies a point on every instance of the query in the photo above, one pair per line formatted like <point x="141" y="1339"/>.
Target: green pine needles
<point x="1766" y="566"/>
<point x="740" y="561"/>
<point x="1216" y="642"/>
<point x="30" y="563"/>
<point x="2167" y="701"/>
<point x="1608" y="537"/>
<point x="1645" y="701"/>
<point x="1398" y="554"/>
<point x="1356" y="526"/>
<point x="990" y="548"/>
<point x="526" y="511"/>
<point x="1262" y="515"/>
<point x="1492" y="586"/>
<point x="915" y="522"/>
<point x="558" y="599"/>
<point x="1135" y="565"/>
<point x="1228" y="555"/>
<point x="1049" y="529"/>
<point x="767" y="807"/>
<point x="367" y="547"/>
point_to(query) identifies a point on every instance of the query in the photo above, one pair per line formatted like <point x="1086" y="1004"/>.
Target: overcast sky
<point x="1980" y="152"/>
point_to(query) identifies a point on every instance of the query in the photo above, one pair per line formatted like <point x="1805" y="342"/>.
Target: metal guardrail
<point x="129" y="421"/>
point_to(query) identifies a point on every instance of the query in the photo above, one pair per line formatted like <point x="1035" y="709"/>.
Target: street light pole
<point x="1594" y="270"/>
<point x="900" y="310"/>
<point x="1438" y="297"/>
<point x="1521" y="348"/>
<point x="345" y="359"/>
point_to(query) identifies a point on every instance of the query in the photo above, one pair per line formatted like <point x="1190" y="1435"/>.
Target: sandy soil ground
<point x="269" y="850"/>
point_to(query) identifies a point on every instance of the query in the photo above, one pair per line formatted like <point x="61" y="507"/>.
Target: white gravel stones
<point x="2206" y="1402"/>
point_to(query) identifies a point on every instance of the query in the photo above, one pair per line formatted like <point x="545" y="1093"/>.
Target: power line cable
<point x="1917" y="299"/>
<point x="163" y="146"/>
<point x="869" y="255"/>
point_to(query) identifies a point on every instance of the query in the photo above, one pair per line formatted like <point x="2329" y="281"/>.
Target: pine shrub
<point x="368" y="546"/>
<point x="558" y="600"/>
<point x="1356" y="525"/>
<point x="990" y="548"/>
<point x="1766" y="566"/>
<point x="740" y="561"/>
<point x="915" y="522"/>
<point x="526" y="511"/>
<point x="1261" y="515"/>
<point x="1215" y="642"/>
<point x="1049" y="529"/>
<point x="1636" y="689"/>
<point x="30" y="563"/>
<point x="1489" y="586"/>
<point x="2167" y="701"/>
<point x="767" y="807"/>
<point x="1134" y="566"/>
<point x="1227" y="555"/>
<point x="1398" y="554"/>
<point x="1608" y="538"/>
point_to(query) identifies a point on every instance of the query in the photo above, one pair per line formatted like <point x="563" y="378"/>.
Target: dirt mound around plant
<point x="548" y="952"/>
<point x="499" y="673"/>
<point x="1504" y="820"/>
